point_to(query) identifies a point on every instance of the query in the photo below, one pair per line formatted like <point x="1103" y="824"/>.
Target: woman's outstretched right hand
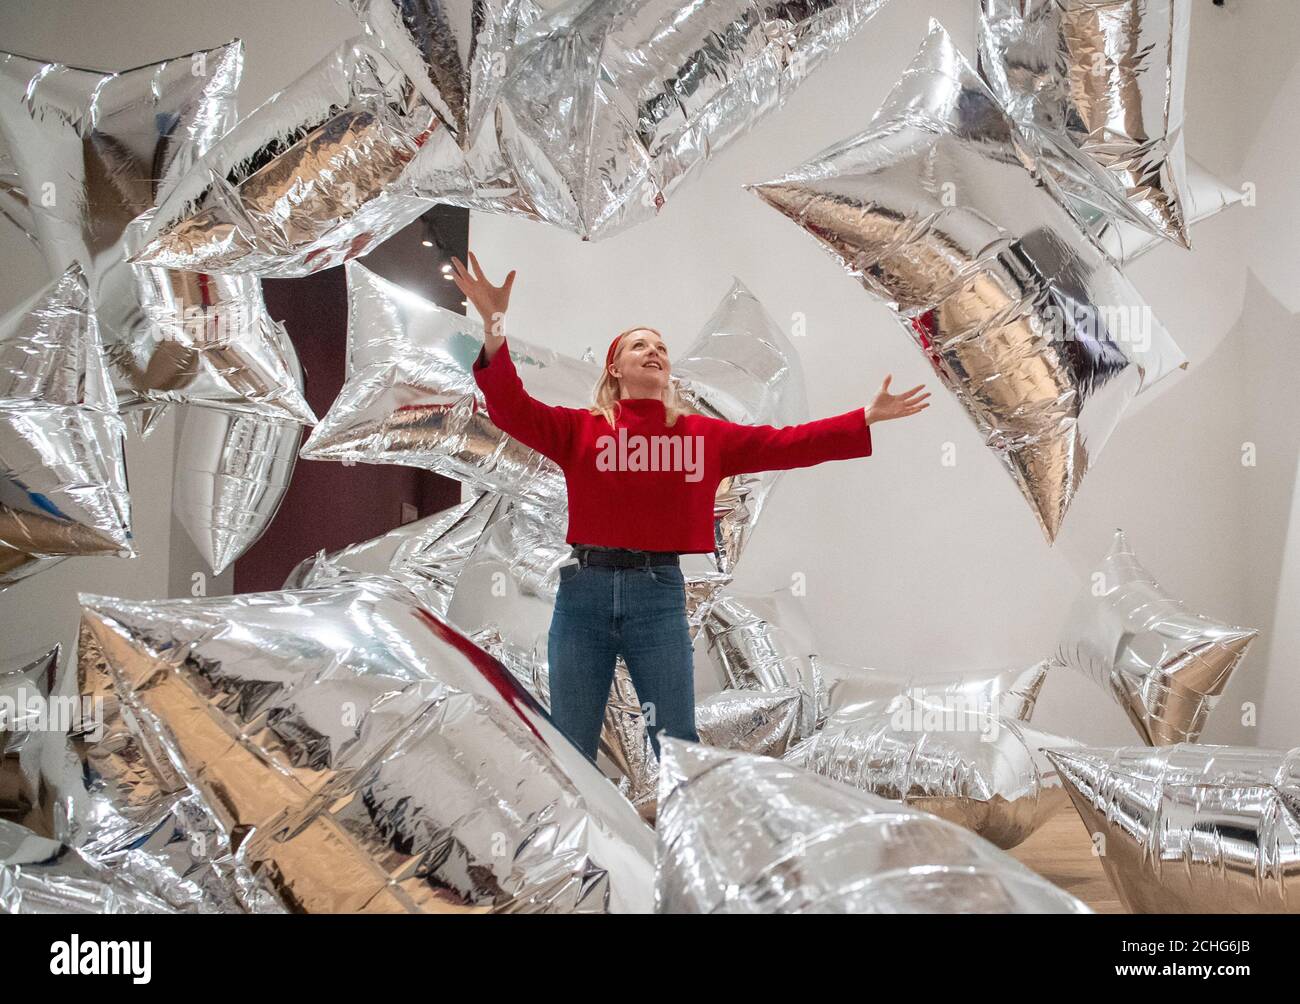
<point x="490" y="301"/>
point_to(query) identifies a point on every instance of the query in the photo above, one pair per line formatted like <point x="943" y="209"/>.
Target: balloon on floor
<point x="1192" y="829"/>
<point x="1163" y="664"/>
<point x="748" y="834"/>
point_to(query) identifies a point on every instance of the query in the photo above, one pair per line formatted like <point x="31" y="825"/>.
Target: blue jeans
<point x="602" y="612"/>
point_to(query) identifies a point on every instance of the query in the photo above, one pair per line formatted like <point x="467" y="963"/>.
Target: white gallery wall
<point x="910" y="565"/>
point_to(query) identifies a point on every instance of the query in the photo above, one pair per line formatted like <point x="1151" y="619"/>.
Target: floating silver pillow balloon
<point x="233" y="471"/>
<point x="1036" y="332"/>
<point x="749" y="834"/>
<point x="453" y="52"/>
<point x="62" y="471"/>
<point x="855" y="692"/>
<point x="94" y="152"/>
<point x="1204" y="196"/>
<point x="382" y="761"/>
<point x="980" y="771"/>
<point x="1097" y="86"/>
<point x="324" y="171"/>
<point x="1192" y="829"/>
<point x="427" y="556"/>
<point x="606" y="107"/>
<point x="1165" y="665"/>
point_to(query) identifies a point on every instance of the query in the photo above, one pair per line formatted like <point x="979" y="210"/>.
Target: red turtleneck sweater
<point x="644" y="485"/>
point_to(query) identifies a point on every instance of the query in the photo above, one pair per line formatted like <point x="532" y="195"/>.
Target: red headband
<point x="609" y="356"/>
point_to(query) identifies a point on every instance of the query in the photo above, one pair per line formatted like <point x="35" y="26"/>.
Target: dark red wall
<point x="329" y="505"/>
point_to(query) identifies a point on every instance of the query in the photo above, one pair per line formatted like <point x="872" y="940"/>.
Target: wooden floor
<point x="1062" y="853"/>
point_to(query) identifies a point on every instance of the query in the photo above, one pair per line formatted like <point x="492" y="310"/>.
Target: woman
<point x="642" y="471"/>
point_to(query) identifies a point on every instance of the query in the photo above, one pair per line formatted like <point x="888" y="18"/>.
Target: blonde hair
<point x="606" y="393"/>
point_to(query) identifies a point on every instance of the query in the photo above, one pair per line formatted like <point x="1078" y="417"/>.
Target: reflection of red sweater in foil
<point x="644" y="485"/>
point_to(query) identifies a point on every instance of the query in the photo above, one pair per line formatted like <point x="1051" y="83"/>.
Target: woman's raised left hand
<point x="887" y="405"/>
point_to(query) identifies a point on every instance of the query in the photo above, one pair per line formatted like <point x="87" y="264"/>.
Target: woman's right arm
<point x="546" y="428"/>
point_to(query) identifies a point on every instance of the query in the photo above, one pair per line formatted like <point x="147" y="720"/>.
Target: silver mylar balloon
<point x="120" y="801"/>
<point x="454" y="52"/>
<point x="232" y="473"/>
<point x="62" y="472"/>
<point x="1163" y="664"/>
<point x="1204" y="196"/>
<point x="749" y="834"/>
<point x="853" y="692"/>
<point x="410" y="398"/>
<point x="607" y="106"/>
<point x="427" y="556"/>
<point x="383" y="762"/>
<point x="94" y="151"/>
<point x="43" y="876"/>
<point x="77" y="774"/>
<point x="1036" y="332"/>
<point x="1190" y="828"/>
<point x="210" y="341"/>
<point x="764" y="641"/>
<point x="324" y="171"/>
<point x="233" y="470"/>
<point x="26" y="681"/>
<point x="983" y="772"/>
<point x="759" y="722"/>
<point x="1098" y="91"/>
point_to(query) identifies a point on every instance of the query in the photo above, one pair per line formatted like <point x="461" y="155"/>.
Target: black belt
<point x="623" y="557"/>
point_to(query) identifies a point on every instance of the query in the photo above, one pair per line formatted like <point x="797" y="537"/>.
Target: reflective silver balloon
<point x="606" y="107"/>
<point x="1038" y="334"/>
<point x="118" y="799"/>
<point x="427" y="556"/>
<point x="765" y="642"/>
<point x="26" y="681"/>
<point x="1192" y="829"/>
<point x="853" y="692"/>
<point x="747" y="834"/>
<point x="454" y="52"/>
<point x="43" y="876"/>
<point x="324" y="171"/>
<point x="1204" y="196"/>
<point x="62" y="472"/>
<point x="1163" y="664"/>
<point x="382" y="762"/>
<point x="95" y="150"/>
<point x="411" y="398"/>
<point x="1098" y="90"/>
<point x="209" y="340"/>
<point x="980" y="771"/>
<point x="747" y="721"/>
<point x="233" y="471"/>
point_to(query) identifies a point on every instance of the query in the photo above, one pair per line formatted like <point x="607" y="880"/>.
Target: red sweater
<point x="645" y="485"/>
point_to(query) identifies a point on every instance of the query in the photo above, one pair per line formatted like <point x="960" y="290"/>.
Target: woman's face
<point x="641" y="364"/>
